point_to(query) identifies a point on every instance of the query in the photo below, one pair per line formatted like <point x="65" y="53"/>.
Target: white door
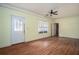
<point x="17" y="29"/>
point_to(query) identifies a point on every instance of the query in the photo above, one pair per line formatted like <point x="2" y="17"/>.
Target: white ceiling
<point x="64" y="9"/>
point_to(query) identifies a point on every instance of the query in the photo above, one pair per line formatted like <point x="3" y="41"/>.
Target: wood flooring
<point x="46" y="46"/>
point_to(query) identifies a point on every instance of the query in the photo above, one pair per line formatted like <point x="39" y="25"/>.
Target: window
<point x="18" y="24"/>
<point x="42" y="27"/>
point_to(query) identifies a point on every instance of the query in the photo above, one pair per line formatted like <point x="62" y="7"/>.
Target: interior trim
<point x="22" y="10"/>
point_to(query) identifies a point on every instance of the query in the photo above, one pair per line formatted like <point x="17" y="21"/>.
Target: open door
<point x="56" y="25"/>
<point x="17" y="29"/>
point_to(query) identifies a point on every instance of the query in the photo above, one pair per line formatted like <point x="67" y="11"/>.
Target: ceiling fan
<point x="52" y="13"/>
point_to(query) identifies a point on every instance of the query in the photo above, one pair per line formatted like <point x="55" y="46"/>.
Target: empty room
<point x="39" y="29"/>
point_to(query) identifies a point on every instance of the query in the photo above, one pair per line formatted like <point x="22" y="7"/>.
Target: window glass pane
<point x="42" y="27"/>
<point x="18" y="25"/>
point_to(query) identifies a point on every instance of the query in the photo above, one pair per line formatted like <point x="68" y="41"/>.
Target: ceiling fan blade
<point x="50" y="14"/>
<point x="55" y="13"/>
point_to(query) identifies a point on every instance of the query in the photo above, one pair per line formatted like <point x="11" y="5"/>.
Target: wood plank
<point x="45" y="46"/>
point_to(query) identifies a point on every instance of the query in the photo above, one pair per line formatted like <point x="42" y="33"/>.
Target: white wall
<point x="31" y="25"/>
<point x="68" y="26"/>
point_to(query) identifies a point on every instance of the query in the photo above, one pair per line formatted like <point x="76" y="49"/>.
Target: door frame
<point x="53" y="29"/>
<point x="56" y="29"/>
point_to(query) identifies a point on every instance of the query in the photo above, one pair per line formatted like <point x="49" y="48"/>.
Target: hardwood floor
<point x="47" y="46"/>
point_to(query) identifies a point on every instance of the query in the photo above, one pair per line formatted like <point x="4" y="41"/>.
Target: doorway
<point x="56" y="30"/>
<point x="18" y="29"/>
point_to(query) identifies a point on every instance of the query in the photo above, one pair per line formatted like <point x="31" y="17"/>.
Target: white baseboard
<point x="5" y="46"/>
<point x="70" y="37"/>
